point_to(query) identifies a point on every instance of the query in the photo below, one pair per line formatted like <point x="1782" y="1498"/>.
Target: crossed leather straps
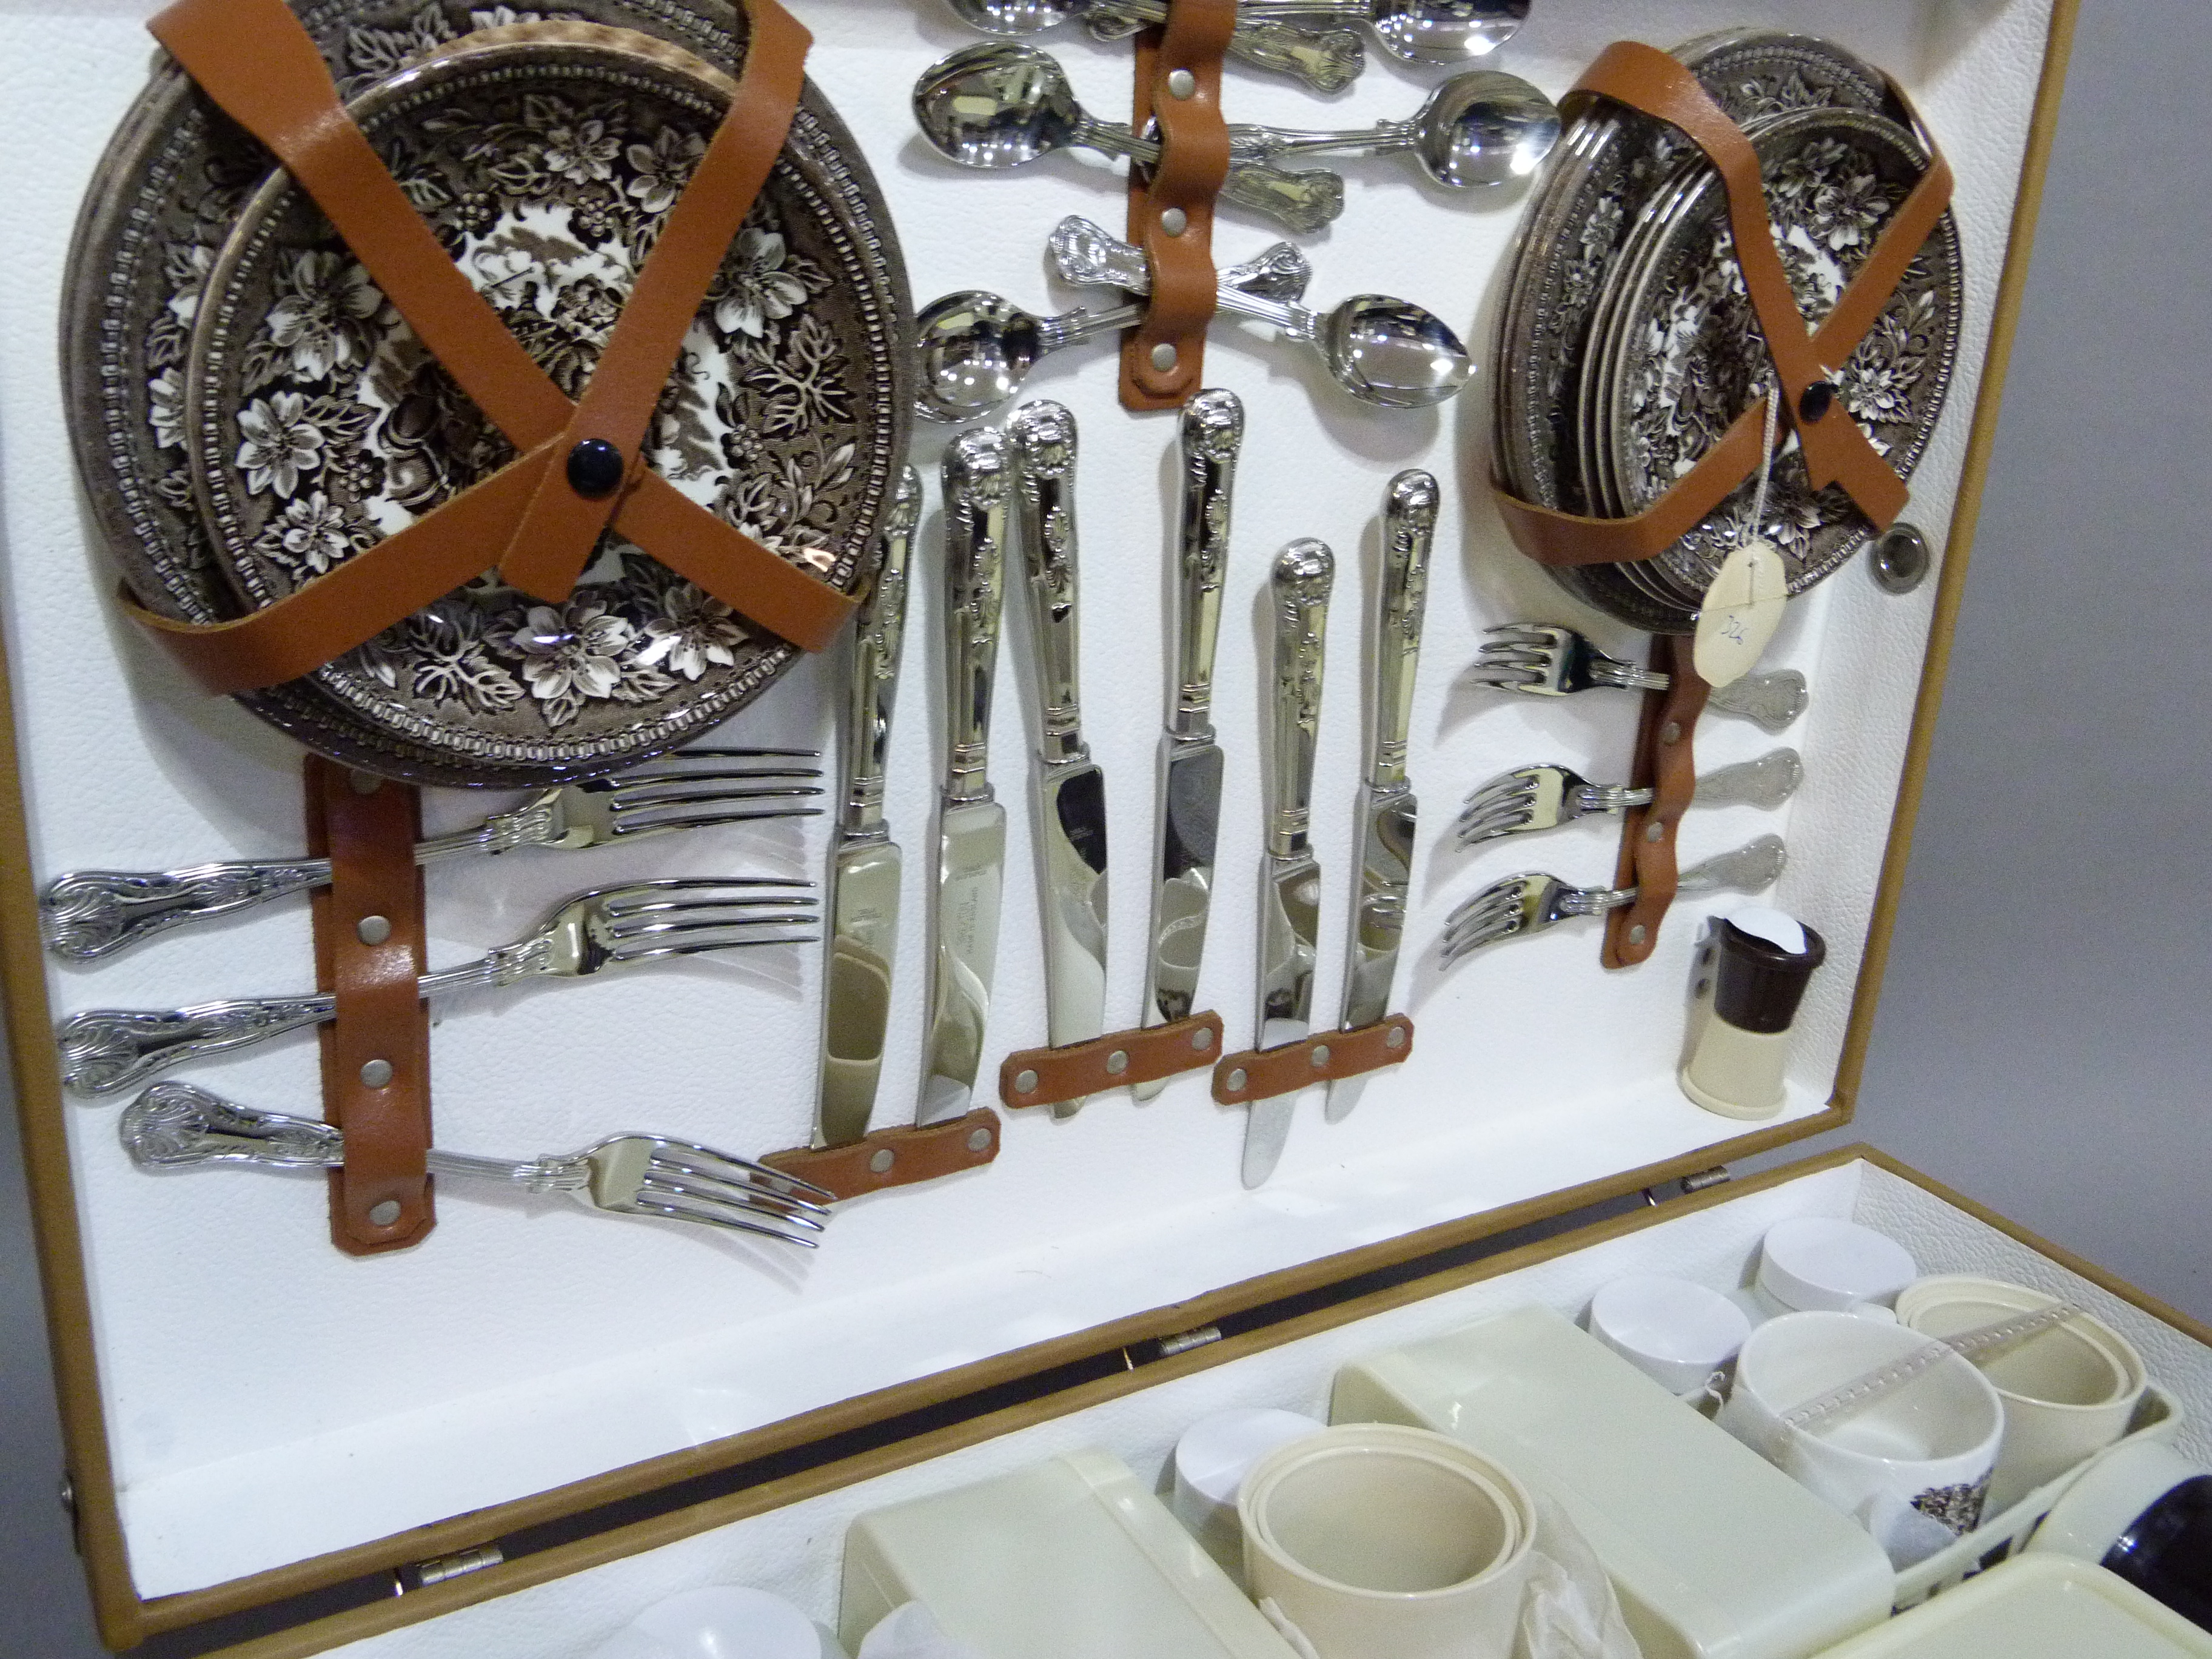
<point x="1836" y="451"/>
<point x="580" y="469"/>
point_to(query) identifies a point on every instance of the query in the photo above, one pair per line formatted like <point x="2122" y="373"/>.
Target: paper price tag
<point x="1742" y="609"/>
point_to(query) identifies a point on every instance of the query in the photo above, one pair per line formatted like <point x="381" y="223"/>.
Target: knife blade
<point x="971" y="833"/>
<point x="1388" y="809"/>
<point x="1212" y="433"/>
<point x="864" y="865"/>
<point x="1071" y="790"/>
<point x="1290" y="878"/>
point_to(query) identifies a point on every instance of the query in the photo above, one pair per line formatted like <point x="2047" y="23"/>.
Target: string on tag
<point x="1765" y="461"/>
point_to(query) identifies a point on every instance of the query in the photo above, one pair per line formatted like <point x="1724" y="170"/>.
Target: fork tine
<point x="1503" y="674"/>
<point x="1540" y="635"/>
<point x="709" y="1217"/>
<point x="708" y="1161"/>
<point x="1513" y="789"/>
<point x="742" y="754"/>
<point x="646" y="800"/>
<point x="654" y="826"/>
<point x="676" y="788"/>
<point x="627" y="956"/>
<point x="681" y="1184"/>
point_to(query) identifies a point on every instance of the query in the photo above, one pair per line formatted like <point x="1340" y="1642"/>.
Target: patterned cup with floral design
<point x="1919" y="1451"/>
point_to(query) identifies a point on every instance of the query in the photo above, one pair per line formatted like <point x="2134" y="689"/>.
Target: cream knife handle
<point x="975" y="479"/>
<point x="876" y="641"/>
<point x="1301" y="582"/>
<point x="1212" y="434"/>
<point x="1043" y="436"/>
<point x="1409" y="528"/>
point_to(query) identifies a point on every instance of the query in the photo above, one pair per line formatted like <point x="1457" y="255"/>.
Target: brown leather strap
<point x="255" y="60"/>
<point x="554" y="541"/>
<point x="1654" y="83"/>
<point x="1666" y="765"/>
<point x="895" y="1158"/>
<point x="1263" y="1074"/>
<point x="1193" y="164"/>
<point x="376" y="1050"/>
<point x="1046" y="1077"/>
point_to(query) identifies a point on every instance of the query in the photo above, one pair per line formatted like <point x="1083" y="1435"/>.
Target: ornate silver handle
<point x="89" y="914"/>
<point x="1087" y="255"/>
<point x="1751" y="867"/>
<point x="1327" y="60"/>
<point x="1772" y="701"/>
<point x="876" y="641"/>
<point x="1300" y="579"/>
<point x="1213" y="436"/>
<point x="1409" y="528"/>
<point x="1304" y="201"/>
<point x="107" y="1049"/>
<point x="1764" y="783"/>
<point x="1043" y="436"/>
<point x="975" y="469"/>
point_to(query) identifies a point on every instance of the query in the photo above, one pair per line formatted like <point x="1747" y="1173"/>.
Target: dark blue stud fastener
<point x="1812" y="406"/>
<point x="595" y="467"/>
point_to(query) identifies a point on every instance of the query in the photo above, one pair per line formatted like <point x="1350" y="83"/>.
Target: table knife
<point x="864" y="864"/>
<point x="1290" y="878"/>
<point x="1388" y="811"/>
<point x="1190" y="759"/>
<point x="1071" y="791"/>
<point x="971" y="836"/>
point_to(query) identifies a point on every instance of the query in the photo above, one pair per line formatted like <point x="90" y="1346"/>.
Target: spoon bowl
<point x="992" y="106"/>
<point x="1445" y="33"/>
<point x="975" y="350"/>
<point x="1387" y="352"/>
<point x="1485" y="127"/>
<point x="1017" y="17"/>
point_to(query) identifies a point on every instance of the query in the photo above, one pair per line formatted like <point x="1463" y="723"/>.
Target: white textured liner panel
<point x="268" y="1399"/>
<point x="797" y="1551"/>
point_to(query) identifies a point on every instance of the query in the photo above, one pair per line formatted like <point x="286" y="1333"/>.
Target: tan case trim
<point x="124" y="1621"/>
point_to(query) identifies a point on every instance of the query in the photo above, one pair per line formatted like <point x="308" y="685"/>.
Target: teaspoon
<point x="1381" y="350"/>
<point x="1443" y="33"/>
<point x="1001" y="106"/>
<point x="1327" y="60"/>
<point x="1480" y="128"/>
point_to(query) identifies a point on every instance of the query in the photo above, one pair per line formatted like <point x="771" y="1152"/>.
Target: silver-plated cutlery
<point x="1542" y="660"/>
<point x="1530" y="902"/>
<point x="107" y="1049"/>
<point x="1388" y="811"/>
<point x="174" y="1126"/>
<point x="1481" y="128"/>
<point x="1212" y="435"/>
<point x="971" y="833"/>
<point x="1071" y="790"/>
<point x="89" y="914"/>
<point x="1444" y="34"/>
<point x="865" y="868"/>
<point x="998" y="106"/>
<point x="1290" y="899"/>
<point x="1533" y="798"/>
<point x="1326" y="59"/>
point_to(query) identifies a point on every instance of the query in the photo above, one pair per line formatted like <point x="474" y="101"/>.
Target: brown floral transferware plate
<point x="249" y="411"/>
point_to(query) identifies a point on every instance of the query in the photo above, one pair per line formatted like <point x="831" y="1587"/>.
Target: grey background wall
<point x="2045" y="1037"/>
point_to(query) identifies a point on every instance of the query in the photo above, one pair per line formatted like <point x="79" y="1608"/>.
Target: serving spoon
<point x="1002" y="107"/>
<point x="1326" y="59"/>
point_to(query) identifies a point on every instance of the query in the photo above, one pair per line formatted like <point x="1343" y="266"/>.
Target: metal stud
<point x="385" y="1213"/>
<point x="1638" y="933"/>
<point x="1395" y="1037"/>
<point x="1202" y="1038"/>
<point x="880" y="1162"/>
<point x="1175" y="222"/>
<point x="1672" y="734"/>
<point x="979" y="1140"/>
<point x="1898" y="558"/>
<point x="1319" y="1056"/>
<point x="1655" y="831"/>
<point x="1164" y="356"/>
<point x="1025" y="1082"/>
<point x="1117" y="1062"/>
<point x="377" y="1073"/>
<point x="365" y="783"/>
<point x="1181" y="84"/>
<point x="373" y="929"/>
<point x="1235" y="1081"/>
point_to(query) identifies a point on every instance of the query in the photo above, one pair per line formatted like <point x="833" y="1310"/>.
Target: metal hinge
<point x="1182" y="1342"/>
<point x="1688" y="1184"/>
<point x="422" y="1574"/>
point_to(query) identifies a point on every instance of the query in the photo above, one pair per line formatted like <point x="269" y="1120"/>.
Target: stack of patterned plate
<point x="249" y="410"/>
<point x="1627" y="344"/>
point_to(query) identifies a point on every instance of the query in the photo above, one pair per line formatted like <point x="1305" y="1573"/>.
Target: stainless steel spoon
<point x="1443" y="33"/>
<point x="1381" y="349"/>
<point x="993" y="106"/>
<point x="1480" y="128"/>
<point x="1326" y="59"/>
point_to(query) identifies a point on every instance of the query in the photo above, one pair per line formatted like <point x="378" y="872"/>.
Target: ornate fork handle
<point x="1606" y="798"/>
<point x="89" y="914"/>
<point x="1326" y="59"/>
<point x="108" y="1049"/>
<point x="1770" y="701"/>
<point x="1766" y="782"/>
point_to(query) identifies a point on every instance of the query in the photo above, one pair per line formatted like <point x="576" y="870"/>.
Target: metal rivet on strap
<point x="384" y="1214"/>
<point x="1118" y="1061"/>
<point x="979" y="1140"/>
<point x="1236" y="1081"/>
<point x="1202" y="1038"/>
<point x="595" y="467"/>
<point x="1638" y="933"/>
<point x="1164" y="356"/>
<point x="1025" y="1083"/>
<point x="1655" y="831"/>
<point x="1181" y="83"/>
<point x="365" y="783"/>
<point x="880" y="1162"/>
<point x="376" y="1073"/>
<point x="1320" y="1056"/>
<point x="1819" y="398"/>
<point x="374" y="930"/>
<point x="1672" y="733"/>
<point x="1175" y="222"/>
<point x="1395" y="1037"/>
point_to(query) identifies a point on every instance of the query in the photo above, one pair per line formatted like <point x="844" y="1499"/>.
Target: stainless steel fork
<point x="1530" y="797"/>
<point x="109" y="1049"/>
<point x="89" y="914"/>
<point x="1531" y="903"/>
<point x="1540" y="660"/>
<point x="174" y="1126"/>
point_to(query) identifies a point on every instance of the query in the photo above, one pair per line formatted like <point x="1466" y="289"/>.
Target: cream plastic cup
<point x="1674" y="1331"/>
<point x="1211" y="1461"/>
<point x="1927" y="1445"/>
<point x="721" y="1621"/>
<point x="2068" y="1391"/>
<point x="1382" y="1542"/>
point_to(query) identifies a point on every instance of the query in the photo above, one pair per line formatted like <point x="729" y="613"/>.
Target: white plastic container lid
<point x="1815" y="1264"/>
<point x="1676" y="1332"/>
<point x="2034" y="1606"/>
<point x="720" y="1621"/>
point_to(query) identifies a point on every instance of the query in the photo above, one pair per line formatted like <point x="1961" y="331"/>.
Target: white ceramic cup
<point x="1211" y="1461"/>
<point x="2068" y="1391"/>
<point x="1674" y="1331"/>
<point x="721" y="1621"/>
<point x="1928" y="1445"/>
<point x="1814" y="1262"/>
<point x="1382" y="1542"/>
